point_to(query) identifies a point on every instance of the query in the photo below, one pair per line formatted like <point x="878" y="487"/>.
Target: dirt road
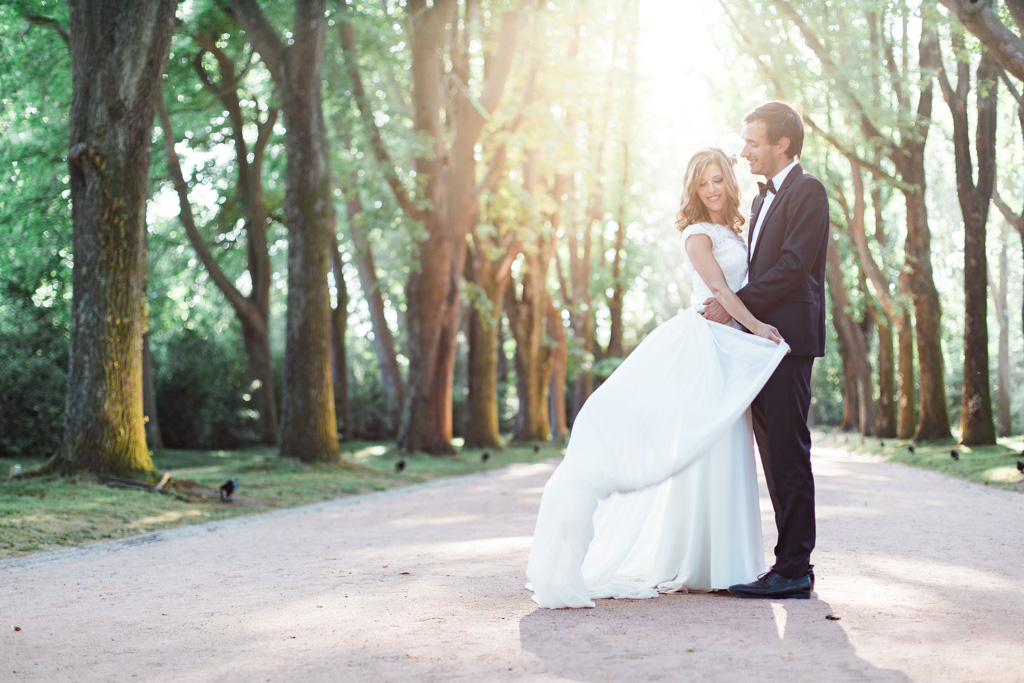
<point x="925" y="572"/>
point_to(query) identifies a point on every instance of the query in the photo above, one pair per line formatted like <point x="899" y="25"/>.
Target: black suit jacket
<point x="786" y="277"/>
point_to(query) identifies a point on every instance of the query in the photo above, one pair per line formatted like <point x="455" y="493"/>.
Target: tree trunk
<point x="339" y="355"/>
<point x="933" y="422"/>
<point x="383" y="340"/>
<point x="308" y="425"/>
<point x="886" y="413"/>
<point x="489" y="268"/>
<point x="615" y="349"/>
<point x="615" y="304"/>
<point x="154" y="440"/>
<point x="256" y="340"/>
<point x="934" y="414"/>
<point x="981" y="19"/>
<point x="118" y="54"/>
<point x="482" y="428"/>
<point x="528" y="318"/>
<point x="1004" y="419"/>
<point x="858" y="404"/>
<point x="449" y="182"/>
<point x="559" y="363"/>
<point x="253" y="312"/>
<point x="906" y="415"/>
<point x="431" y="293"/>
<point x="1016" y="220"/>
<point x="976" y="408"/>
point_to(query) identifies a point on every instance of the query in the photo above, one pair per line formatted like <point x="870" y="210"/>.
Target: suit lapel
<point x="790" y="179"/>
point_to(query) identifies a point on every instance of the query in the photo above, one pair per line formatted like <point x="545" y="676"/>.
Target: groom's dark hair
<point x="781" y="120"/>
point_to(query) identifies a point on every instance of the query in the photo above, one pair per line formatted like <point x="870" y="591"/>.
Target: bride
<point x="657" y="491"/>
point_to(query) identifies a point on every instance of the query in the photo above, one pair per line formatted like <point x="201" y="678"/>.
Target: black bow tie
<point x="764" y="188"/>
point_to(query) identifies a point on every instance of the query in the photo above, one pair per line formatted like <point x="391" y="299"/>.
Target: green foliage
<point x="33" y="381"/>
<point x="370" y="409"/>
<point x="202" y="392"/>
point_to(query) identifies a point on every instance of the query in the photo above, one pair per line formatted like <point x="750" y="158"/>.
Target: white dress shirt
<point x="769" y="197"/>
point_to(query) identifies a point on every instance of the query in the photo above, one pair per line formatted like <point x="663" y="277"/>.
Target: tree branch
<point x="38" y="20"/>
<point x="497" y="161"/>
<point x="262" y="35"/>
<point x="264" y="131"/>
<point x="979" y="17"/>
<point x="871" y="167"/>
<point x="1011" y="217"/>
<point x="235" y="298"/>
<point x="348" y="47"/>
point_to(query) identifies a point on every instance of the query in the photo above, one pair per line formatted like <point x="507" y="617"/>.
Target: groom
<point x="787" y="242"/>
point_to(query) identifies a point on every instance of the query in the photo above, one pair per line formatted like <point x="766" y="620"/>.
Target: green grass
<point x="990" y="465"/>
<point x="45" y="513"/>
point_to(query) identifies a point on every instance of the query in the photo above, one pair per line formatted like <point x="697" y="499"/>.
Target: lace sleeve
<point x="701" y="229"/>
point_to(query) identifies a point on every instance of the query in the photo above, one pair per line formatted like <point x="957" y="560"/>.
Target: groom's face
<point x="764" y="158"/>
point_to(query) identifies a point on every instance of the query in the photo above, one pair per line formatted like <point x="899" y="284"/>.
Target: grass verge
<point x="46" y="513"/>
<point x="989" y="465"/>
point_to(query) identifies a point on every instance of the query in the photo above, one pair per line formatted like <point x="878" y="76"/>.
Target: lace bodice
<point x="728" y="249"/>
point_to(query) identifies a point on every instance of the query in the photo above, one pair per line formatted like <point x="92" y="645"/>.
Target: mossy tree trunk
<point x="119" y="49"/>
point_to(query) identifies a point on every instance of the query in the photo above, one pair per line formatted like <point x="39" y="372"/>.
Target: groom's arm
<point x="805" y="236"/>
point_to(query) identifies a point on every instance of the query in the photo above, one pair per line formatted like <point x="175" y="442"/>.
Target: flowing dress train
<point x="658" y="491"/>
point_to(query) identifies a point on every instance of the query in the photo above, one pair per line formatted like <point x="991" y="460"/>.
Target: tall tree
<point x="906" y="154"/>
<point x="528" y="304"/>
<point x="559" y="363"/>
<point x="491" y="249"/>
<point x="868" y="111"/>
<point x="309" y="429"/>
<point x="858" y="406"/>
<point x="488" y="269"/>
<point x="119" y="49"/>
<point x="383" y="339"/>
<point x="446" y="174"/>
<point x="616" y="300"/>
<point x="449" y="179"/>
<point x="999" y="286"/>
<point x="339" y="353"/>
<point x="976" y="423"/>
<point x="252" y="310"/>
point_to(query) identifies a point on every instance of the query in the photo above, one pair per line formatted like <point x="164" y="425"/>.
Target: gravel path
<point x="425" y="583"/>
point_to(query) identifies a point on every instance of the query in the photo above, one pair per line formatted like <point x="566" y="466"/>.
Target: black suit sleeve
<point x="806" y="229"/>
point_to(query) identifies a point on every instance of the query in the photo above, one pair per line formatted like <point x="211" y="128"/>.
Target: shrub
<point x="33" y="384"/>
<point x="203" y="395"/>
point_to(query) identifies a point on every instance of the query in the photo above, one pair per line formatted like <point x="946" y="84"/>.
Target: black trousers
<point x="780" y="426"/>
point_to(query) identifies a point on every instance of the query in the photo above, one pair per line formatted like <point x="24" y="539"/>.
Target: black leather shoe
<point x="775" y="586"/>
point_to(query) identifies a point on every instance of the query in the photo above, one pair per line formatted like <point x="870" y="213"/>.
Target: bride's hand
<point x="768" y="332"/>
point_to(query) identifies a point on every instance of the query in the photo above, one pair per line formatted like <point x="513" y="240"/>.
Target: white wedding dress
<point x="658" y="489"/>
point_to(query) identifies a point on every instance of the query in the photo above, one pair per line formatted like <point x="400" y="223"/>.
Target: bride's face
<point x="712" y="191"/>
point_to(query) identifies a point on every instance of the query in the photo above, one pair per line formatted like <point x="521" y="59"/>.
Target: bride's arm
<point x="698" y="248"/>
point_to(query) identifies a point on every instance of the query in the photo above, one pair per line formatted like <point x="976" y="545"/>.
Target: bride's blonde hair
<point x="691" y="208"/>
